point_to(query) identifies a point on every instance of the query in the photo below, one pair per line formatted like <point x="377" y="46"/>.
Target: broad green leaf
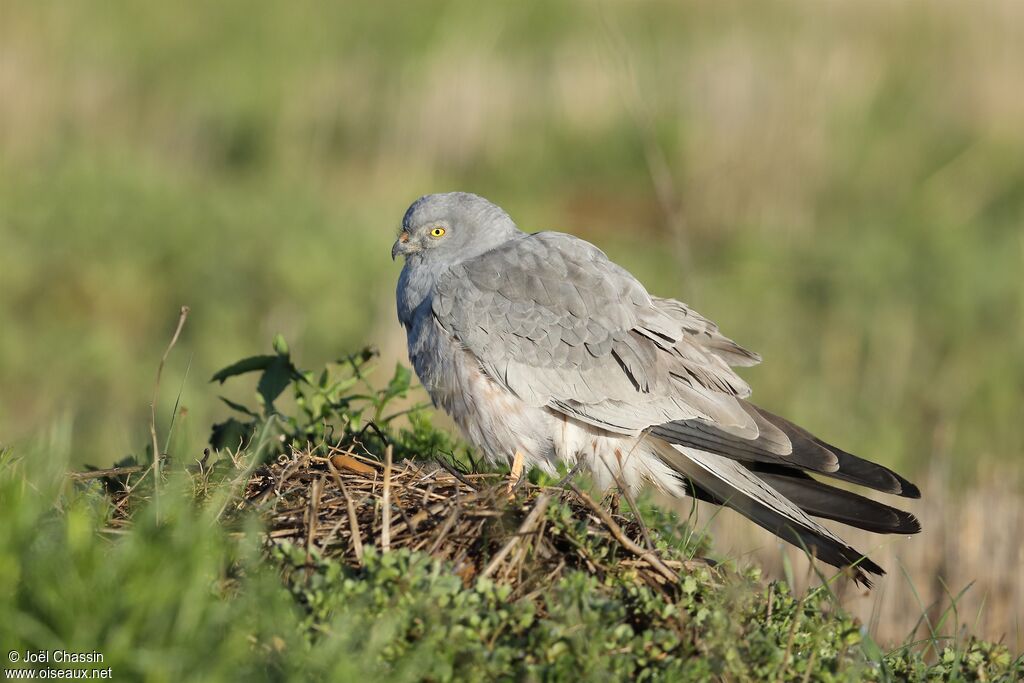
<point x="400" y="383"/>
<point x="250" y="364"/>
<point x="275" y="379"/>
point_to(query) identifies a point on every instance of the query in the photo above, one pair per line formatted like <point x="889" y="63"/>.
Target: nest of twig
<point x="338" y="506"/>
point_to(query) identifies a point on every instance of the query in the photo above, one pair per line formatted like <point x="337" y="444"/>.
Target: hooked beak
<point x="401" y="245"/>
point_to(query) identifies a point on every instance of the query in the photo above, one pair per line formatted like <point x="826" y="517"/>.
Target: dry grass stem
<point x="313" y="516"/>
<point x="540" y="506"/>
<point x="182" y="317"/>
<point x="621" y="537"/>
<point x="385" y="531"/>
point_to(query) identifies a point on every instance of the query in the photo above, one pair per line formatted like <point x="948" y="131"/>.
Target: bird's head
<point x="447" y="228"/>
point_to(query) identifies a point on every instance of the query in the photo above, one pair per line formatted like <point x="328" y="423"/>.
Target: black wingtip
<point x="862" y="565"/>
<point x="851" y="468"/>
<point x="909" y="524"/>
<point x="819" y="499"/>
<point x="908" y="490"/>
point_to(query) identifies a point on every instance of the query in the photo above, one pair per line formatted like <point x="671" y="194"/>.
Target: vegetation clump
<point x="331" y="542"/>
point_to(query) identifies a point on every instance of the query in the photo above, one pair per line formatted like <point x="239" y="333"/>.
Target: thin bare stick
<point x="436" y="509"/>
<point x="353" y="526"/>
<point x="455" y="473"/>
<point x="182" y="317"/>
<point x="326" y="542"/>
<point x="625" y="540"/>
<point x="570" y="475"/>
<point x="385" y="530"/>
<point x="445" y="529"/>
<point x="410" y="522"/>
<point x="635" y="508"/>
<point x="536" y="513"/>
<point x="314" y="517"/>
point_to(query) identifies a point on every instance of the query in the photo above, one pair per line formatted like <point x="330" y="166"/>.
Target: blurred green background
<point x="839" y="185"/>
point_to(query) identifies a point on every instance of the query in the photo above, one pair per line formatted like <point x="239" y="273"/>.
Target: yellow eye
<point x="437" y="232"/>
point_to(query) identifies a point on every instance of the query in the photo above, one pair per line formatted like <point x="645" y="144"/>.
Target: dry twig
<point x="623" y="539"/>
<point x="182" y="317"/>
<point x="385" y="514"/>
<point x="540" y="506"/>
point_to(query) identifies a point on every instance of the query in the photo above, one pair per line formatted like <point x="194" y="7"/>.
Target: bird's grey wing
<point x="553" y="320"/>
<point x="705" y="334"/>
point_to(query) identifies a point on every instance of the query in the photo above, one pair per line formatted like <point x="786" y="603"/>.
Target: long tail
<point x="797" y="448"/>
<point x="821" y="500"/>
<point x="781" y="499"/>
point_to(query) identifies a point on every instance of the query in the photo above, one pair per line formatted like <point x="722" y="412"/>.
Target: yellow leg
<point x="517" y="472"/>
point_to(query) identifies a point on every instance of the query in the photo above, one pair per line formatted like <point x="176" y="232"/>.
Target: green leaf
<point x="400" y="383"/>
<point x="334" y="393"/>
<point x="239" y="407"/>
<point x="275" y="379"/>
<point x="250" y="364"/>
<point x="317" y="404"/>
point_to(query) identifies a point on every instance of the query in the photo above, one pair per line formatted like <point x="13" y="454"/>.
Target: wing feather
<point x="560" y="325"/>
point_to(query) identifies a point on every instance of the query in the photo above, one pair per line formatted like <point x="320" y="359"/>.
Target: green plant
<point x="336" y="408"/>
<point x="196" y="594"/>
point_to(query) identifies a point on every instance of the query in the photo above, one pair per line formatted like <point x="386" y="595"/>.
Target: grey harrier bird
<point x="543" y="351"/>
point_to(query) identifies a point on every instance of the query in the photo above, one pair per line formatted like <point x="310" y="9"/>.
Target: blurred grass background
<point x="839" y="185"/>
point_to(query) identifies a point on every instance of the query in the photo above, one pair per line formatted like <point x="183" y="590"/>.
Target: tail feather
<point x="852" y="468"/>
<point x="821" y="500"/>
<point x="736" y="486"/>
<point x="807" y="452"/>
